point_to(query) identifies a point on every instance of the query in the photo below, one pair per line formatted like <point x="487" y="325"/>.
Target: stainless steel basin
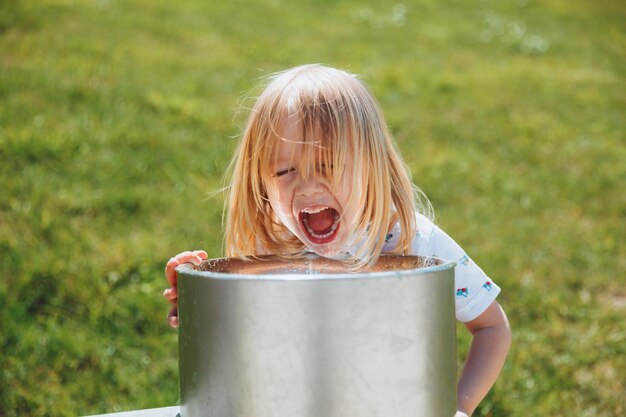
<point x="270" y="337"/>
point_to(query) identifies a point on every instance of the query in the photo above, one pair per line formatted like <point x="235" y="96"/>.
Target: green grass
<point x="117" y="118"/>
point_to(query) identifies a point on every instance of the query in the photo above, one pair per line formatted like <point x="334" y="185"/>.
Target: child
<point x="317" y="171"/>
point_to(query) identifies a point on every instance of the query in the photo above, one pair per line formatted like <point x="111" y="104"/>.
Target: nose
<point x="310" y="186"/>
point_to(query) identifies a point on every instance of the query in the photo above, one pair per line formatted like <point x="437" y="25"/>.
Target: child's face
<point x="308" y="207"/>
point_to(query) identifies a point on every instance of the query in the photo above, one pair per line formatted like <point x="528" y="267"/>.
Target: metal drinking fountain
<point x="308" y="337"/>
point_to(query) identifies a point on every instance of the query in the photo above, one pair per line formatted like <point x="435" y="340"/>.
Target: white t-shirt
<point x="474" y="290"/>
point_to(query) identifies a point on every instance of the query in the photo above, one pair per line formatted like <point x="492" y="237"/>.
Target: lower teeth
<point x="325" y="235"/>
<point x="317" y="235"/>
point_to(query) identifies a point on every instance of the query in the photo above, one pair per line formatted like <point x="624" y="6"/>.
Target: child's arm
<point x="171" y="294"/>
<point x="490" y="345"/>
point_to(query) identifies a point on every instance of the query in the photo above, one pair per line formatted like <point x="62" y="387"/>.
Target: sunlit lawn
<point x="117" y="120"/>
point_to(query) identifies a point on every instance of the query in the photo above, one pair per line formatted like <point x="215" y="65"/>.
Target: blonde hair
<point x="351" y="136"/>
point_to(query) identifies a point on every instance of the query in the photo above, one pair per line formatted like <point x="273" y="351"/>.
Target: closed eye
<point x="284" y="172"/>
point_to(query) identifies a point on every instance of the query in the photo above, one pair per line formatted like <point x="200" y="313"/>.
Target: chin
<point x="328" y="251"/>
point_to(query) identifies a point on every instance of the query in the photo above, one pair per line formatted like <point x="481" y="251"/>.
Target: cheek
<point x="350" y="192"/>
<point x="279" y="200"/>
<point x="350" y="197"/>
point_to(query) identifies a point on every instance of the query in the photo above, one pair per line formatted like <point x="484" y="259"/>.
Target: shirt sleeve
<point x="474" y="290"/>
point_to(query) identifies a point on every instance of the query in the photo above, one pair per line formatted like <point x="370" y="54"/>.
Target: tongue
<point x="321" y="221"/>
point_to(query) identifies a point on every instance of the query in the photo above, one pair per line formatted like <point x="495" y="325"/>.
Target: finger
<point x="189" y="257"/>
<point x="171" y="294"/>
<point x="202" y="254"/>
<point x="186" y="255"/>
<point x="170" y="271"/>
<point x="172" y="317"/>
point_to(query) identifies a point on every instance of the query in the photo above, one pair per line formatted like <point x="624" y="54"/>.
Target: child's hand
<point x="171" y="294"/>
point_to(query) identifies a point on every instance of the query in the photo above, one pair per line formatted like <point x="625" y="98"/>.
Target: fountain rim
<point x="189" y="270"/>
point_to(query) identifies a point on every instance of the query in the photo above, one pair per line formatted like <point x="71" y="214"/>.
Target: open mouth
<point x="320" y="223"/>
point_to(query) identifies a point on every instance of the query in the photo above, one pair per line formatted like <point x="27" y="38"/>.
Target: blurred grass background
<point x="117" y="118"/>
